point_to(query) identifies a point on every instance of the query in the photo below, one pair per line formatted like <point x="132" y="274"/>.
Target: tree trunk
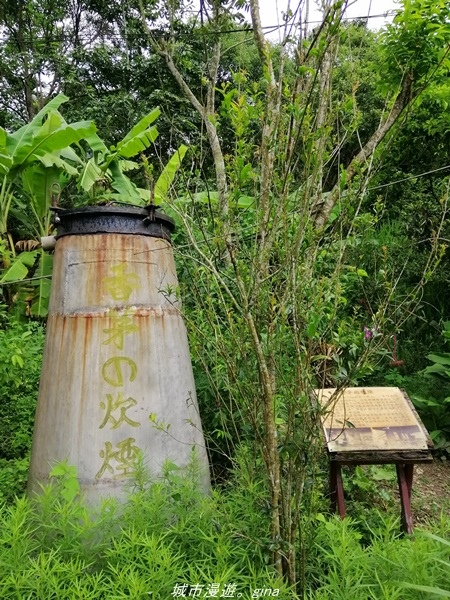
<point x="402" y="100"/>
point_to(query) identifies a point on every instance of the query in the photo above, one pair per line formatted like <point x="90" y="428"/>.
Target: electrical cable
<point x="244" y="29"/>
<point x="383" y="185"/>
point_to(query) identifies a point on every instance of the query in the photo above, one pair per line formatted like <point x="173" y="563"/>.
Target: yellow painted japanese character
<point x="124" y="458"/>
<point x="121" y="285"/>
<point x="121" y="325"/>
<point x="119" y="405"/>
<point x="112" y="370"/>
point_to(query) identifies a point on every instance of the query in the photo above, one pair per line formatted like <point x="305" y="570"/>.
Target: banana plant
<point x="104" y="178"/>
<point x="44" y="143"/>
<point x="39" y="156"/>
<point x="32" y="160"/>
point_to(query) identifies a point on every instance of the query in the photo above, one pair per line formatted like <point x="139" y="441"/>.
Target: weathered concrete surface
<point x="117" y="376"/>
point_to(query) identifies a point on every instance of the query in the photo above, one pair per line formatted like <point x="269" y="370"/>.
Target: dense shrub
<point x="20" y="366"/>
<point x="164" y="538"/>
<point x="390" y="567"/>
<point x="171" y="541"/>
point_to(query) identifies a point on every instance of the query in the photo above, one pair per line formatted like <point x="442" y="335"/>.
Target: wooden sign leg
<point x="405" y="479"/>
<point x="337" y="489"/>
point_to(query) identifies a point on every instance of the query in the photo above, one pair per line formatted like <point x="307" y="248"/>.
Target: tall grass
<point x="390" y="566"/>
<point x="168" y="539"/>
<point x="167" y="535"/>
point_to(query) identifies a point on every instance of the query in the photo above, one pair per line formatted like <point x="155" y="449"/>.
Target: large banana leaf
<point x="24" y="135"/>
<point x="5" y="160"/>
<point x="144" y="195"/>
<point x="111" y="164"/>
<point x="19" y="268"/>
<point x="5" y="164"/>
<point x="52" y="141"/>
<point x="140" y="127"/>
<point x="138" y="143"/>
<point x="39" y="305"/>
<point x="122" y="184"/>
<point x="70" y="154"/>
<point x="37" y="182"/>
<point x="53" y="160"/>
<point x="52" y="123"/>
<point x="90" y="175"/>
<point x="96" y="143"/>
<point x="167" y="176"/>
<point x="128" y="165"/>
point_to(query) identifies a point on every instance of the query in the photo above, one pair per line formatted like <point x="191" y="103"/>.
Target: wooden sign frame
<point x="373" y="425"/>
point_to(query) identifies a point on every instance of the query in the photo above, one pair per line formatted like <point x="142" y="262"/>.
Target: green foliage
<point x="429" y="390"/>
<point x="33" y="160"/>
<point x="364" y="485"/>
<point x="420" y="34"/>
<point x="42" y="283"/>
<point x="102" y="176"/>
<point x="42" y="144"/>
<point x="441" y="364"/>
<point x="25" y="283"/>
<point x="106" y="167"/>
<point x="19" y="267"/>
<point x="36" y="162"/>
<point x="20" y="364"/>
<point x="13" y="477"/>
<point x="67" y="474"/>
<point x="439" y="411"/>
<point x="432" y="403"/>
<point x="389" y="567"/>
<point x="441" y="593"/>
<point x="168" y="535"/>
<point x="357" y="101"/>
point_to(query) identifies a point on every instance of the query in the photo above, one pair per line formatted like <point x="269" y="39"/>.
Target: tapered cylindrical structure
<point x="116" y="379"/>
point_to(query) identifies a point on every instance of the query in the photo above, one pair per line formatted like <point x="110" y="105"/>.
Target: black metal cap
<point x="113" y="219"/>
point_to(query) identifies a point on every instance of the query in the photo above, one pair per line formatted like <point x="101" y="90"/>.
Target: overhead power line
<point x="244" y="29"/>
<point x="383" y="185"/>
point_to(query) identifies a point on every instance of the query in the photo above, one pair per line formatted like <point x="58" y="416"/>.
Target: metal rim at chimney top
<point x="131" y="220"/>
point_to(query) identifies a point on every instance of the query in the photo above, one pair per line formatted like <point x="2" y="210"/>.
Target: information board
<point x="371" y="418"/>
